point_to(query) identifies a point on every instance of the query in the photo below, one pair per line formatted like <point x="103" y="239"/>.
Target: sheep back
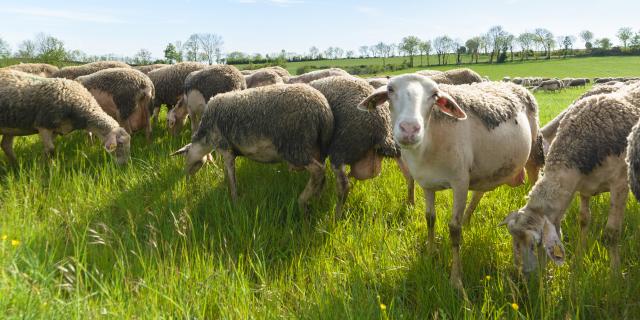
<point x="214" y="80"/>
<point x="73" y="72"/>
<point x="169" y="82"/>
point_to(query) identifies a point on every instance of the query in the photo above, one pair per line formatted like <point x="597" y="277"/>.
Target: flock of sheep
<point x="446" y="130"/>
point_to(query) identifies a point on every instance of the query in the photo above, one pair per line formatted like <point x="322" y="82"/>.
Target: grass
<point x="88" y="239"/>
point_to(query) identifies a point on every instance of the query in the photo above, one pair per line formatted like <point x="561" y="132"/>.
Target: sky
<point x="267" y="26"/>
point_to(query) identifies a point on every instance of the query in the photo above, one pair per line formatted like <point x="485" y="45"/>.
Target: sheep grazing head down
<point x="528" y="231"/>
<point x="118" y="142"/>
<point x="196" y="155"/>
<point x="177" y="116"/>
<point x="411" y="99"/>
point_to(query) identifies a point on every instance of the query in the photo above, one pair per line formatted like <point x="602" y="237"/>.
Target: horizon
<point x="296" y="25"/>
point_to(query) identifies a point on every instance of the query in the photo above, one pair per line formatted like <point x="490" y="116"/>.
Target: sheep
<point x="464" y="137"/>
<point x="550" y="129"/>
<point x="360" y="139"/>
<point x="457" y="76"/>
<point x="125" y="94"/>
<point x="291" y="123"/>
<point x="378" y="82"/>
<point x="566" y="81"/>
<point x="429" y="73"/>
<point x="262" y="78"/>
<point x="49" y="106"/>
<point x="73" y="72"/>
<point x="39" y="69"/>
<point x="148" y="68"/>
<point x="200" y="86"/>
<point x="246" y="72"/>
<point x="169" y="85"/>
<point x="549" y="85"/>
<point x="315" y="75"/>
<point x="587" y="157"/>
<point x="282" y="72"/>
<point x="633" y="160"/>
<point x="579" y="82"/>
<point x="506" y="79"/>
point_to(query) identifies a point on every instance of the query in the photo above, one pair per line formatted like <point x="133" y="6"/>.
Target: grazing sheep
<point x="39" y="69"/>
<point x="263" y="78"/>
<point x="549" y="85"/>
<point x="291" y="123"/>
<point x="123" y="93"/>
<point x="148" y="68"/>
<point x="457" y="76"/>
<point x="282" y="72"/>
<point x="360" y="139"/>
<point x="580" y="82"/>
<point x="429" y="73"/>
<point x="246" y="72"/>
<point x="89" y="68"/>
<point x="48" y="106"/>
<point x="200" y="86"/>
<point x="518" y="80"/>
<point x="549" y="130"/>
<point x="506" y="79"/>
<point x="315" y="75"/>
<point x="378" y="82"/>
<point x="633" y="160"/>
<point x="588" y="157"/>
<point x="169" y="85"/>
<point x="464" y="137"/>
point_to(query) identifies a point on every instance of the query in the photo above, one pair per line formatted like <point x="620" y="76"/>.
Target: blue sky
<point x="124" y="27"/>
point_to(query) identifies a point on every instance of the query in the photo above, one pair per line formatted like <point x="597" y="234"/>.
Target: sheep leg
<point x="585" y="220"/>
<point x="342" y="186"/>
<point x="155" y="115"/>
<point x="47" y="136"/>
<point x="410" y="182"/>
<point x="476" y="196"/>
<point x="430" y="216"/>
<point x="7" y="147"/>
<point x="230" y="166"/>
<point x="455" y="233"/>
<point x="316" y="181"/>
<point x="619" y="194"/>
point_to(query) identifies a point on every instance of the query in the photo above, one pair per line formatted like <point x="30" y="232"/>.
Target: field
<point x="84" y="238"/>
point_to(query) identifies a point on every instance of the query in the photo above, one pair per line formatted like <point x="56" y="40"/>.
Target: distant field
<point x="84" y="238"/>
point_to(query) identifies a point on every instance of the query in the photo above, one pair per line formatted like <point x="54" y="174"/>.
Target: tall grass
<point x="88" y="239"/>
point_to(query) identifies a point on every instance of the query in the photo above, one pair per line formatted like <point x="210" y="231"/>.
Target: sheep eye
<point x="390" y="89"/>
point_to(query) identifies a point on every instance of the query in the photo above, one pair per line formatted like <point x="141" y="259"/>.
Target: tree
<point x="26" y="49"/>
<point x="442" y="45"/>
<point x="5" y="49"/>
<point x="566" y="43"/>
<point x="364" y="51"/>
<point x="77" y="55"/>
<point x="142" y="57"/>
<point x="624" y="34"/>
<point x="509" y="40"/>
<point x="338" y="52"/>
<point x="425" y="49"/>
<point x="192" y="48"/>
<point x="314" y="53"/>
<point x="409" y="45"/>
<point x="587" y="36"/>
<point x="49" y="49"/>
<point x="210" y="46"/>
<point x="179" y="50"/>
<point x="473" y="47"/>
<point x="604" y="43"/>
<point x="171" y="54"/>
<point x="495" y="38"/>
<point x="525" y="40"/>
<point x="328" y="53"/>
<point x="544" y="38"/>
<point x="635" y="41"/>
<point x="350" y="54"/>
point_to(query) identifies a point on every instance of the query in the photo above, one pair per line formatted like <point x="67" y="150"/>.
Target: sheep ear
<point x="182" y="150"/>
<point x="509" y="218"/>
<point x="551" y="242"/>
<point x="448" y="106"/>
<point x="111" y="143"/>
<point x="377" y="98"/>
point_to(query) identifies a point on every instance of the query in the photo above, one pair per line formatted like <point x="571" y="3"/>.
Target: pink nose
<point x="409" y="128"/>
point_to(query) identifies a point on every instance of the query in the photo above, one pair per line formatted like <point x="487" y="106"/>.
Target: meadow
<point x="84" y="238"/>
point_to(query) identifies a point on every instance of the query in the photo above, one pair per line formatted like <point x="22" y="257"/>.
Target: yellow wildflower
<point x="487" y="278"/>
<point x="15" y="243"/>
<point x="383" y="307"/>
<point x="4" y="237"/>
<point x="514" y="306"/>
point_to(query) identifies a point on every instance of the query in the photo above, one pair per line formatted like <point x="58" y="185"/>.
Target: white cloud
<point x="40" y="12"/>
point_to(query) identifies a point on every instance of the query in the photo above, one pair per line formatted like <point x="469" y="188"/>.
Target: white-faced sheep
<point x="263" y="78"/>
<point x="291" y="123"/>
<point x="588" y="157"/>
<point x="461" y="137"/>
<point x="73" y="72"/>
<point x="123" y="93"/>
<point x="169" y="85"/>
<point x="199" y="87"/>
<point x="39" y="69"/>
<point x="315" y="75"/>
<point x="549" y="85"/>
<point x="360" y="139"/>
<point x="148" y="68"/>
<point x="48" y="106"/>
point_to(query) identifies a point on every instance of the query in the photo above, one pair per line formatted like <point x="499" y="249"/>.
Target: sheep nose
<point x="409" y="128"/>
